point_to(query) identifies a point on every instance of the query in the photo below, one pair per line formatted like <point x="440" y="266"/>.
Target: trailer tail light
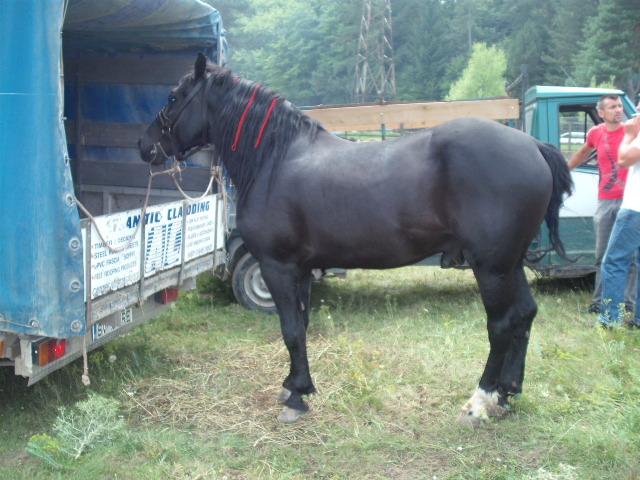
<point x="1" y="348"/>
<point x="167" y="295"/>
<point x="57" y="348"/>
<point x="46" y="351"/>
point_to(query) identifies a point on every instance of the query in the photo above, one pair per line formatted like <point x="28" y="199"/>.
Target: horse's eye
<point x="172" y="99"/>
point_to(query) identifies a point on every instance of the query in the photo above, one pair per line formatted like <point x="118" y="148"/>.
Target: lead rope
<point x="215" y="172"/>
<point x="85" y="361"/>
<point x="172" y="170"/>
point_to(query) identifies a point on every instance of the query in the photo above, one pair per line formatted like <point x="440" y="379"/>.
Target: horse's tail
<point x="562" y="184"/>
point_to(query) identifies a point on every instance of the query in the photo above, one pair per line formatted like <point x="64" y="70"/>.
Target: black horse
<point x="471" y="189"/>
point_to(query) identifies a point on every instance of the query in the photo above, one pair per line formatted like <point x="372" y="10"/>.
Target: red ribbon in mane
<point x="243" y="118"/>
<point x="266" y="120"/>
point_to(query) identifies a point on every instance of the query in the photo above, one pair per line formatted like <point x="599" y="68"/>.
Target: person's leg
<point x="603" y="221"/>
<point x="636" y="316"/>
<point x="630" y="292"/>
<point x="623" y="243"/>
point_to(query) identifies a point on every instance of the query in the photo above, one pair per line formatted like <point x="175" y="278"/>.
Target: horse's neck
<point x="245" y="163"/>
<point x="242" y="169"/>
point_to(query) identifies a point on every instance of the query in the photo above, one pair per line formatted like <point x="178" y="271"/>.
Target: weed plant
<point x="394" y="355"/>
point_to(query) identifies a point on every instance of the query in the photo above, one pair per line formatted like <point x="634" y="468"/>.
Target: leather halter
<point x="167" y="123"/>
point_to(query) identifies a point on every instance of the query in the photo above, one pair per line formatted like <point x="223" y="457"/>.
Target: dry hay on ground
<point x="236" y="391"/>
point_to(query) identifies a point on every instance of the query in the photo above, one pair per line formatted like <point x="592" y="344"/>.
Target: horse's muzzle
<point x="158" y="155"/>
<point x="153" y="154"/>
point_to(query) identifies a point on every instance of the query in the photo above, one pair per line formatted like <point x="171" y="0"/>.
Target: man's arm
<point x="580" y="156"/>
<point x="629" y="152"/>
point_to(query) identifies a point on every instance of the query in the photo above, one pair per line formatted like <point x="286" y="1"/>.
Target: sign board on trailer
<point x="174" y="233"/>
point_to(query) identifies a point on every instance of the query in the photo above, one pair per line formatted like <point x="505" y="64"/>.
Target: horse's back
<point x="484" y="146"/>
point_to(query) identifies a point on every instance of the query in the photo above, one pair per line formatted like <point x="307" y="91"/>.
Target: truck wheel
<point x="249" y="287"/>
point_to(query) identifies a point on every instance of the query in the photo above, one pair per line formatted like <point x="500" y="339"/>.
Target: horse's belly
<point x="377" y="247"/>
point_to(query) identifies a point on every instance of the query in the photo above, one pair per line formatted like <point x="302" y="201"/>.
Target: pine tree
<point x="612" y="46"/>
<point x="422" y="54"/>
<point x="530" y="38"/>
<point x="567" y="34"/>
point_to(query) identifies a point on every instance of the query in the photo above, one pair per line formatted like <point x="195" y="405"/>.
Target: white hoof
<point x="480" y="407"/>
<point x="469" y="420"/>
<point x="290" y="415"/>
<point x="284" y="395"/>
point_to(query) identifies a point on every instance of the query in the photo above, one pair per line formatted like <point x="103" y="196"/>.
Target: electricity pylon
<point x="375" y="70"/>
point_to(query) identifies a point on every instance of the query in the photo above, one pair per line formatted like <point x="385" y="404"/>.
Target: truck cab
<point x="562" y="116"/>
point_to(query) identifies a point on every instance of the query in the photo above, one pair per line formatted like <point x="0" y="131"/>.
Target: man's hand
<point x="629" y="152"/>
<point x="632" y="127"/>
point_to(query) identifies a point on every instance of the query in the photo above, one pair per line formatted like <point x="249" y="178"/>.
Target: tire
<point x="249" y="287"/>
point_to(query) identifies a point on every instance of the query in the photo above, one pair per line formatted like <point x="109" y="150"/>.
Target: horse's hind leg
<point x="512" y="375"/>
<point x="510" y="311"/>
<point x="286" y="283"/>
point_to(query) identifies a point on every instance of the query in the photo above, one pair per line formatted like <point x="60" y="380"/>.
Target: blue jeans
<point x="603" y="221"/>
<point x="623" y="243"/>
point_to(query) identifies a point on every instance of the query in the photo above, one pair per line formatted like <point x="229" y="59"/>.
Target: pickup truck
<point x="550" y="113"/>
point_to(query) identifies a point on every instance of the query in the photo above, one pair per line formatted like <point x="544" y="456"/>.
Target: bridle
<point x="167" y="123"/>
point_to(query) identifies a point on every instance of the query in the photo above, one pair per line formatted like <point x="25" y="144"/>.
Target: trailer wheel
<point x="249" y="287"/>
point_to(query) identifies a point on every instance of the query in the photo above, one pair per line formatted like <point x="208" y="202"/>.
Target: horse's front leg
<point x="289" y="288"/>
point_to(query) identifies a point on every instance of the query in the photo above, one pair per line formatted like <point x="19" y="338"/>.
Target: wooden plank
<point x="124" y="174"/>
<point x="411" y="115"/>
<point x="106" y="134"/>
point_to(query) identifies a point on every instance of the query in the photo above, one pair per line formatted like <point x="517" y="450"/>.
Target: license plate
<point x="102" y="329"/>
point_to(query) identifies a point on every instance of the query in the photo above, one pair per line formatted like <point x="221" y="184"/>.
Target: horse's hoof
<point x="290" y="415"/>
<point x="467" y="420"/>
<point x="284" y="395"/>
<point x="475" y="419"/>
<point x="481" y="406"/>
<point x="497" y="411"/>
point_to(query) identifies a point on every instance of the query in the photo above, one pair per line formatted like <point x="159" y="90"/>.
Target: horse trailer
<point x="79" y="81"/>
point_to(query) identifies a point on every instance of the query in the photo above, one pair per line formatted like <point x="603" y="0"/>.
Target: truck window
<point x="528" y="120"/>
<point x="574" y="123"/>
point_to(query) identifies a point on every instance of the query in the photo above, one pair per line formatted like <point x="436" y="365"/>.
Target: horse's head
<point x="181" y="126"/>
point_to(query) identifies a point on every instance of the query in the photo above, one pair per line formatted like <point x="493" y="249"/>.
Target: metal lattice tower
<point x="375" y="70"/>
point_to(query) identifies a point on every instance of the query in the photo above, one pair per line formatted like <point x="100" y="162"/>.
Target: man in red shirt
<point x="606" y="138"/>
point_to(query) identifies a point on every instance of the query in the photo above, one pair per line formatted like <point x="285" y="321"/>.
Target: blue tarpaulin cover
<point x="41" y="257"/>
<point x="141" y="24"/>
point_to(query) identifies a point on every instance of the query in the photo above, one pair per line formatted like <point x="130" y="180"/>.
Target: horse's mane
<point x="284" y="124"/>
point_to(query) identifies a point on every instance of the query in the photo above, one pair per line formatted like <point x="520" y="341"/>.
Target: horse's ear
<point x="201" y="66"/>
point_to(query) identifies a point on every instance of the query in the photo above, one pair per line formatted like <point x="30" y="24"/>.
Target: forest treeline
<point x="306" y="49"/>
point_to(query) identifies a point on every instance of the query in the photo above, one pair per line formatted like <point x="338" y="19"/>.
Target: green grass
<point x="394" y="355"/>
